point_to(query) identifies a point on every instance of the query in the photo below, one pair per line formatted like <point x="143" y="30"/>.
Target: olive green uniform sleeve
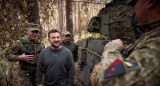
<point x="146" y="56"/>
<point x="6" y="74"/>
<point x="13" y="51"/>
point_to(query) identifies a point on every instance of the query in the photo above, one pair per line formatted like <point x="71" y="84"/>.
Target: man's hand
<point x="39" y="85"/>
<point x="27" y="58"/>
<point x="120" y="43"/>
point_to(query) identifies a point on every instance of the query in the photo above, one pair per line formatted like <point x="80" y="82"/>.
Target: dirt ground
<point x="77" y="81"/>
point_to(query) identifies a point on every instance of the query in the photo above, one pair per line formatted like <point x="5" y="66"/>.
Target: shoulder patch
<point x="114" y="69"/>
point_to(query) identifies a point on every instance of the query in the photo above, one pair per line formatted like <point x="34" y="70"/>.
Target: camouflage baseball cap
<point x="66" y="33"/>
<point x="32" y="26"/>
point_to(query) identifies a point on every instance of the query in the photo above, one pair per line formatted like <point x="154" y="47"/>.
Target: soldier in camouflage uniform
<point x="142" y="66"/>
<point x="26" y="51"/>
<point x="6" y="75"/>
<point x="70" y="45"/>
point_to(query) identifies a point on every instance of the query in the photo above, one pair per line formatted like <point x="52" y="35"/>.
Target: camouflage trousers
<point x="25" y="79"/>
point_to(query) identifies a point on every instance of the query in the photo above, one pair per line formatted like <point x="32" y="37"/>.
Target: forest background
<point x="71" y="15"/>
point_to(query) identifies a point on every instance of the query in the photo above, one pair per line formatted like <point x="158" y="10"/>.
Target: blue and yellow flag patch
<point x="129" y="64"/>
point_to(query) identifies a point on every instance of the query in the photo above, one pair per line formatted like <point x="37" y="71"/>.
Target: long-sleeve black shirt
<point x="57" y="66"/>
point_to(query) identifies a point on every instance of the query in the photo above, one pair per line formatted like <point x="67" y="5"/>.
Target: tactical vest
<point x="30" y="48"/>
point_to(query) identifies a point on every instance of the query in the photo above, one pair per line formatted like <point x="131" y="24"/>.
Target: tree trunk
<point x="79" y="20"/>
<point x="33" y="11"/>
<point x="60" y="10"/>
<point x="69" y="21"/>
<point x="75" y="19"/>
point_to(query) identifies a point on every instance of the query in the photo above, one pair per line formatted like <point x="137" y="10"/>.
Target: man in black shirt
<point x="56" y="63"/>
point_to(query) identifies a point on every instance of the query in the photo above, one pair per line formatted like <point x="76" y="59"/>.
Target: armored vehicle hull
<point x="113" y="21"/>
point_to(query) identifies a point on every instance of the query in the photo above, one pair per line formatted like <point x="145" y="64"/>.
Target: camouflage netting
<point x="114" y="21"/>
<point x="121" y="14"/>
<point x="13" y="15"/>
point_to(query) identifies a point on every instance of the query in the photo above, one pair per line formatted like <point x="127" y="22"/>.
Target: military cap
<point x="32" y="26"/>
<point x="66" y="33"/>
<point x="130" y="2"/>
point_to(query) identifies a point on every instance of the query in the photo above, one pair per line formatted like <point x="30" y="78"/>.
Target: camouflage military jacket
<point x="72" y="47"/>
<point x="145" y="55"/>
<point x="24" y="45"/>
<point x="6" y="75"/>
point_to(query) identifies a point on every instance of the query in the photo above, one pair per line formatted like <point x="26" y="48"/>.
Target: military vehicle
<point x="115" y="20"/>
